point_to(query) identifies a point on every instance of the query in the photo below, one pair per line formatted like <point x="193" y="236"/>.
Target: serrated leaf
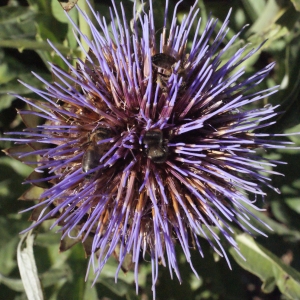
<point x="28" y="269"/>
<point x="268" y="267"/>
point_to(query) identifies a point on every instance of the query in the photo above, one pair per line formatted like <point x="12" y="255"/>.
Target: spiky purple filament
<point x="128" y="200"/>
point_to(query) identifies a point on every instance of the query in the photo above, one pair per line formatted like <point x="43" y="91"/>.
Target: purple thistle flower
<point x="146" y="146"/>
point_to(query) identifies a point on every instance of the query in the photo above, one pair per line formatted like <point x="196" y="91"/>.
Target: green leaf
<point x="268" y="267"/>
<point x="52" y="276"/>
<point x="288" y="97"/>
<point x="90" y="293"/>
<point x="277" y="228"/>
<point x="34" y="45"/>
<point x="267" y="17"/>
<point x="254" y="8"/>
<point x="16" y="22"/>
<point x="7" y="253"/>
<point x="60" y="15"/>
<point x="28" y="269"/>
<point x="5" y="101"/>
<point x="40" y="5"/>
<point x="77" y="285"/>
<point x="296" y="4"/>
<point x="293" y="203"/>
<point x="33" y="193"/>
<point x="120" y="288"/>
<point x="17" y="166"/>
<point x="14" y="284"/>
<point x="269" y="285"/>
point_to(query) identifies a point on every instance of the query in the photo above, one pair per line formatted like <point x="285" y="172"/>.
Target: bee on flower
<point x="145" y="146"/>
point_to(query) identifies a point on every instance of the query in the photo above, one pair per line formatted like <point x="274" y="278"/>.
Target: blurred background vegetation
<point x="273" y="264"/>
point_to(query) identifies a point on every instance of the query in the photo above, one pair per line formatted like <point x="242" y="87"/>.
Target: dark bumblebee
<point x="94" y="152"/>
<point x="156" y="149"/>
<point x="164" y="63"/>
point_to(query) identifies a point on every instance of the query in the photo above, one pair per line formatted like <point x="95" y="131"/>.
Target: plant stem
<point x="83" y="25"/>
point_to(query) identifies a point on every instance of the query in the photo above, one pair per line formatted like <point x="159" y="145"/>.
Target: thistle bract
<point x="145" y="146"/>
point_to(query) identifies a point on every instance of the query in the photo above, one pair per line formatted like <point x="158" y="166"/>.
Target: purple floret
<point x="177" y="158"/>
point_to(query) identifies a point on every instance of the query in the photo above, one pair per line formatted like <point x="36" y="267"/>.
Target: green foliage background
<point x="270" y="271"/>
